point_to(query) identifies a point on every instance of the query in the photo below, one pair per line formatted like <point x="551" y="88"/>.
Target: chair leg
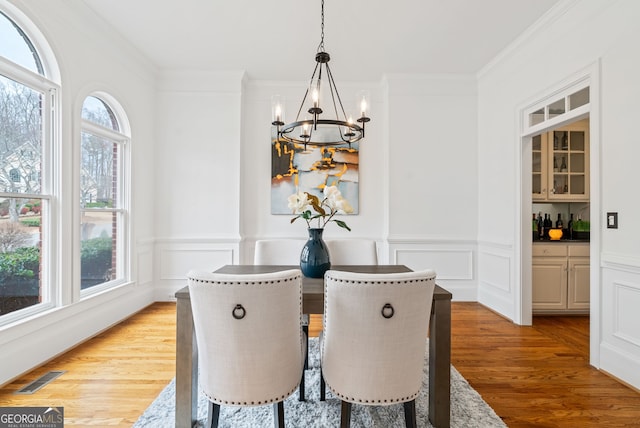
<point x="345" y="415"/>
<point x="323" y="387"/>
<point x="301" y="388"/>
<point x="305" y="329"/>
<point x="213" y="415"/>
<point x="410" y="414"/>
<point x="278" y="414"/>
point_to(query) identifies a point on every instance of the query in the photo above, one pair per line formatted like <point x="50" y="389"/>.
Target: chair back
<point x="352" y="252"/>
<point x="374" y="338"/>
<point x="250" y="343"/>
<point x="278" y="251"/>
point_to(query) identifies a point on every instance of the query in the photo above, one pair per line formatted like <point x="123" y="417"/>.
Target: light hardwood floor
<point x="532" y="376"/>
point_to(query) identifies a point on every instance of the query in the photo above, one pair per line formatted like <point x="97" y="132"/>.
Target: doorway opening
<point x="556" y="112"/>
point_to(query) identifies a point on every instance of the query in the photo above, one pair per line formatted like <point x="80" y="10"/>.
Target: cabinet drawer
<point x="578" y="250"/>
<point x="549" y="250"/>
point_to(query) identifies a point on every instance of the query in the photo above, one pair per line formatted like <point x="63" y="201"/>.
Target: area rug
<point x="468" y="409"/>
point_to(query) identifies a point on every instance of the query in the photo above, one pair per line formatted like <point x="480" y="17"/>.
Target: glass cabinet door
<point x="538" y="168"/>
<point x="560" y="164"/>
<point x="569" y="160"/>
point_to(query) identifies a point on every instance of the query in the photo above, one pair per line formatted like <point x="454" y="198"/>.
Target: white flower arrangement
<point x="302" y="204"/>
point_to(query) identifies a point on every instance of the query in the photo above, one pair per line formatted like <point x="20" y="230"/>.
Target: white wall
<point x="197" y="202"/>
<point x="432" y="186"/>
<point x="417" y="175"/>
<point x="91" y="59"/>
<point x="578" y="35"/>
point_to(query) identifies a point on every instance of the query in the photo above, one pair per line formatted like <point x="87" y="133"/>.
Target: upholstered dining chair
<point x="352" y="252"/>
<point x="373" y="343"/>
<point x="282" y="252"/>
<point x="251" y="347"/>
<point x="278" y="251"/>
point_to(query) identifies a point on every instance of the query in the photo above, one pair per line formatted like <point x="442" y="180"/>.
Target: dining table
<point x="313" y="303"/>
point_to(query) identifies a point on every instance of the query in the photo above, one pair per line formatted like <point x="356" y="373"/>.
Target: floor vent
<point x="40" y="382"/>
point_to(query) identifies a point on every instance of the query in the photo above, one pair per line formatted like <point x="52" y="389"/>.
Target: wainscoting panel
<point x="174" y="264"/>
<point x="451" y="264"/>
<point x="453" y="261"/>
<point x="496" y="286"/>
<point x="627" y="322"/>
<point x="176" y="258"/>
<point x="144" y="265"/>
<point x="620" y="343"/>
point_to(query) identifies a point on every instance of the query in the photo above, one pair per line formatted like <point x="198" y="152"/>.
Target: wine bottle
<point x="565" y="141"/>
<point x="540" y="226"/>
<point x="559" y="224"/>
<point x="548" y="224"/>
<point x="570" y="226"/>
<point x="563" y="165"/>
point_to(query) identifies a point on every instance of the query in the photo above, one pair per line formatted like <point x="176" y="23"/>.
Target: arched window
<point x="103" y="205"/>
<point x="17" y="47"/>
<point x="28" y="111"/>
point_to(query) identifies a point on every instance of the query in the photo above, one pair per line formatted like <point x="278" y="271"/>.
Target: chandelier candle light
<point x="313" y="129"/>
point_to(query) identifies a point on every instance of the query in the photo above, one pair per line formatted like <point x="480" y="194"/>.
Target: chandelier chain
<point x="321" y="45"/>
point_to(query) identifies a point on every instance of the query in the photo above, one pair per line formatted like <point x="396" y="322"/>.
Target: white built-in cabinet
<point x="560" y="164"/>
<point x="560" y="277"/>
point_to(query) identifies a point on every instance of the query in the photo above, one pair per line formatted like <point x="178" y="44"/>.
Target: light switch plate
<point x="612" y="220"/>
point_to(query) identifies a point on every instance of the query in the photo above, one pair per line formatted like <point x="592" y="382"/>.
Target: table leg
<point x="186" y="367"/>
<point x="440" y="363"/>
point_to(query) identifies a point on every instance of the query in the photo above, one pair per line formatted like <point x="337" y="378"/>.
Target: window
<point x="17" y="47"/>
<point x="27" y="112"/>
<point x="103" y="227"/>
<point x="570" y="103"/>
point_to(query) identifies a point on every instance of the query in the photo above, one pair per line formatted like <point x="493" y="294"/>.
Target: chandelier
<point x="309" y="126"/>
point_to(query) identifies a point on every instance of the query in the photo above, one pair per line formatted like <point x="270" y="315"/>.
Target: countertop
<point x="561" y="241"/>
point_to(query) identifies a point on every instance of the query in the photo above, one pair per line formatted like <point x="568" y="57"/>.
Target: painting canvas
<point x="295" y="168"/>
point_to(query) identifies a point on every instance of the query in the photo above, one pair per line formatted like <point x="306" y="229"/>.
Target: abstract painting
<point x="294" y="168"/>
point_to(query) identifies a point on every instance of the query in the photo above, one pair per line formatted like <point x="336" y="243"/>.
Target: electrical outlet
<point x="612" y="220"/>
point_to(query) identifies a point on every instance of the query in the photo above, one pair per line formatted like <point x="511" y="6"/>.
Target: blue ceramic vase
<point x="314" y="258"/>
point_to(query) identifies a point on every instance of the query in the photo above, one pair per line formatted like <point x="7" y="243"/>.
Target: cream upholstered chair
<point x="373" y="343"/>
<point x="282" y="252"/>
<point x="278" y="251"/>
<point x="352" y="252"/>
<point x="251" y="348"/>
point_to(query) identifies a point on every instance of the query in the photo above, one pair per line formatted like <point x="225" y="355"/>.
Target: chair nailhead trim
<point x="365" y="401"/>
<point x="275" y="281"/>
<point x="249" y="403"/>
<point x="351" y="281"/>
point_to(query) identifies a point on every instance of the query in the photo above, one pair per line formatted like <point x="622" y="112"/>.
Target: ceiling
<point x="277" y="40"/>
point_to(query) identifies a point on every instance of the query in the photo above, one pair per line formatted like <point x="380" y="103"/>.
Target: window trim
<point x="122" y="208"/>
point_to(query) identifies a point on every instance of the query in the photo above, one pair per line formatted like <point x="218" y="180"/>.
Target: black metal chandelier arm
<point x="306" y="93"/>
<point x="332" y="86"/>
<point x="355" y="133"/>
